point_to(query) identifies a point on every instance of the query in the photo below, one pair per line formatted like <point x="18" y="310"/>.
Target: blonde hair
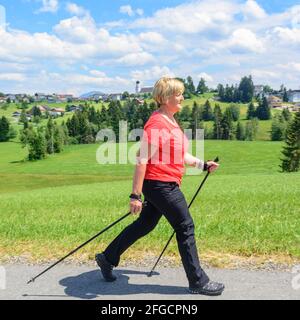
<point x="165" y="88"/>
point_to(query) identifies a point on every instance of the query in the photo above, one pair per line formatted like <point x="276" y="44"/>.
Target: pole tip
<point x="31" y="280"/>
<point x="149" y="274"/>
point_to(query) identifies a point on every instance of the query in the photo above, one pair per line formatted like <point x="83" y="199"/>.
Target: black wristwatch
<point x="135" y="196"/>
<point x="205" y="167"/>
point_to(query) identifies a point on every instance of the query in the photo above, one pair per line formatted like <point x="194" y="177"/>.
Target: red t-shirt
<point x="170" y="143"/>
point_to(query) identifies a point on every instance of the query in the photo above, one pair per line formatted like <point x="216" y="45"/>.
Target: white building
<point x="294" y="96"/>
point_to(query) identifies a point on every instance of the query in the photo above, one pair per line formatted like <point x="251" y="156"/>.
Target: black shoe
<point x="210" y="289"/>
<point x="106" y="267"/>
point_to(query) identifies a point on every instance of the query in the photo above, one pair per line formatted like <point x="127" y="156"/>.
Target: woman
<point x="158" y="174"/>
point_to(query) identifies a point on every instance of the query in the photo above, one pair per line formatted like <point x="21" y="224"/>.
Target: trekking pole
<point x="82" y="245"/>
<point x="194" y="197"/>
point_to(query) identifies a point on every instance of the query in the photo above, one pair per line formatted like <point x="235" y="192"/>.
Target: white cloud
<point x="252" y="10"/>
<point x="193" y="17"/>
<point x="49" y="6"/>
<point x="127" y="9"/>
<point x="153" y="73"/>
<point x="136" y="59"/>
<point x="205" y="76"/>
<point x="244" y="40"/>
<point x="75" y="9"/>
<point x="19" y="77"/>
<point x="287" y="35"/>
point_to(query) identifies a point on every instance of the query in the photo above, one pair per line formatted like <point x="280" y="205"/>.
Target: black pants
<point x="162" y="198"/>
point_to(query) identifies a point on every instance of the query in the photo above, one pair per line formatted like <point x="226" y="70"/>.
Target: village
<point x="43" y="102"/>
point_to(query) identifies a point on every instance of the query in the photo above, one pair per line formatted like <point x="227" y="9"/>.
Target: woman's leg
<point x="170" y="201"/>
<point x="145" y="223"/>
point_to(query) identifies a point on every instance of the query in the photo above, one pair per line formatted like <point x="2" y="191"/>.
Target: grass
<point x="247" y="208"/>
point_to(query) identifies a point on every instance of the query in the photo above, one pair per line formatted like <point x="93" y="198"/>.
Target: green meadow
<point x="248" y="208"/>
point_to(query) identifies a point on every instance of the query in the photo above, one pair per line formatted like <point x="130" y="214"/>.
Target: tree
<point x="49" y="136"/>
<point x="251" y="129"/>
<point x="217" y="128"/>
<point x="4" y="129"/>
<point x="190" y="85"/>
<point x="286" y="114"/>
<point x="291" y="150"/>
<point x="251" y="112"/>
<point x="227" y="126"/>
<point x="235" y="112"/>
<point x="202" y="88"/>
<point x="207" y="114"/>
<point x="240" y="131"/>
<point x="221" y="92"/>
<point x="196" y="117"/>
<point x="278" y="128"/>
<point x="285" y="96"/>
<point x="246" y="89"/>
<point x="263" y="111"/>
<point x="36" y="143"/>
<point x="125" y="95"/>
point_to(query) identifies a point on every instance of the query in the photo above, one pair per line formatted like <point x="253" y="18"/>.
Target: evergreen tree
<point x="286" y="114"/>
<point x="190" y="85"/>
<point x="235" y="112"/>
<point x="202" y="88"/>
<point x="278" y="128"/>
<point x="240" y="131"/>
<point x="49" y="136"/>
<point x="196" y="118"/>
<point x="4" y="129"/>
<point x="285" y="96"/>
<point x="217" y="128"/>
<point x="207" y="114"/>
<point x="227" y="126"/>
<point x="221" y="92"/>
<point x="251" y="112"/>
<point x="263" y="111"/>
<point x="246" y="89"/>
<point x="291" y="150"/>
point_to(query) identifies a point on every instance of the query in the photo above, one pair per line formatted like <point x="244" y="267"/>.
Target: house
<point x="258" y="90"/>
<point x="294" y="95"/>
<point x="115" y="96"/>
<point x="12" y="97"/>
<point x="64" y="97"/>
<point x="274" y="101"/>
<point x="40" y="96"/>
<point x="146" y="90"/>
<point x="52" y="99"/>
<point x="56" y="112"/>
<point x="41" y="108"/>
<point x="16" y="114"/>
<point x="2" y="100"/>
<point x="74" y="108"/>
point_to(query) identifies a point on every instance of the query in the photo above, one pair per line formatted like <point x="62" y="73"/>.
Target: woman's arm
<point x="193" y="161"/>
<point x="143" y="155"/>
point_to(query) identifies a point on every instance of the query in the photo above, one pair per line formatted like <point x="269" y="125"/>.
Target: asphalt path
<point x="67" y="281"/>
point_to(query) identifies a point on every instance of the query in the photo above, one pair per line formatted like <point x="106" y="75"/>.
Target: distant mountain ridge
<point x="92" y="93"/>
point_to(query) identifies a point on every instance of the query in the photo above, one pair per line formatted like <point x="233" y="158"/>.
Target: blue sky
<point x="78" y="46"/>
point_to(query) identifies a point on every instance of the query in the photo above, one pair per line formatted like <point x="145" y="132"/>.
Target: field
<point x="246" y="209"/>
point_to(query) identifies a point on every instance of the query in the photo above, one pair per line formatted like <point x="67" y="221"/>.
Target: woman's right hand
<point x="135" y="206"/>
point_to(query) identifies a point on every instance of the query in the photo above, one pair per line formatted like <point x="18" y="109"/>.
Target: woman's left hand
<point x="212" y="166"/>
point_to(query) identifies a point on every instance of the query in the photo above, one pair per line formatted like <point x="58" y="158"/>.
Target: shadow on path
<point x="90" y="284"/>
